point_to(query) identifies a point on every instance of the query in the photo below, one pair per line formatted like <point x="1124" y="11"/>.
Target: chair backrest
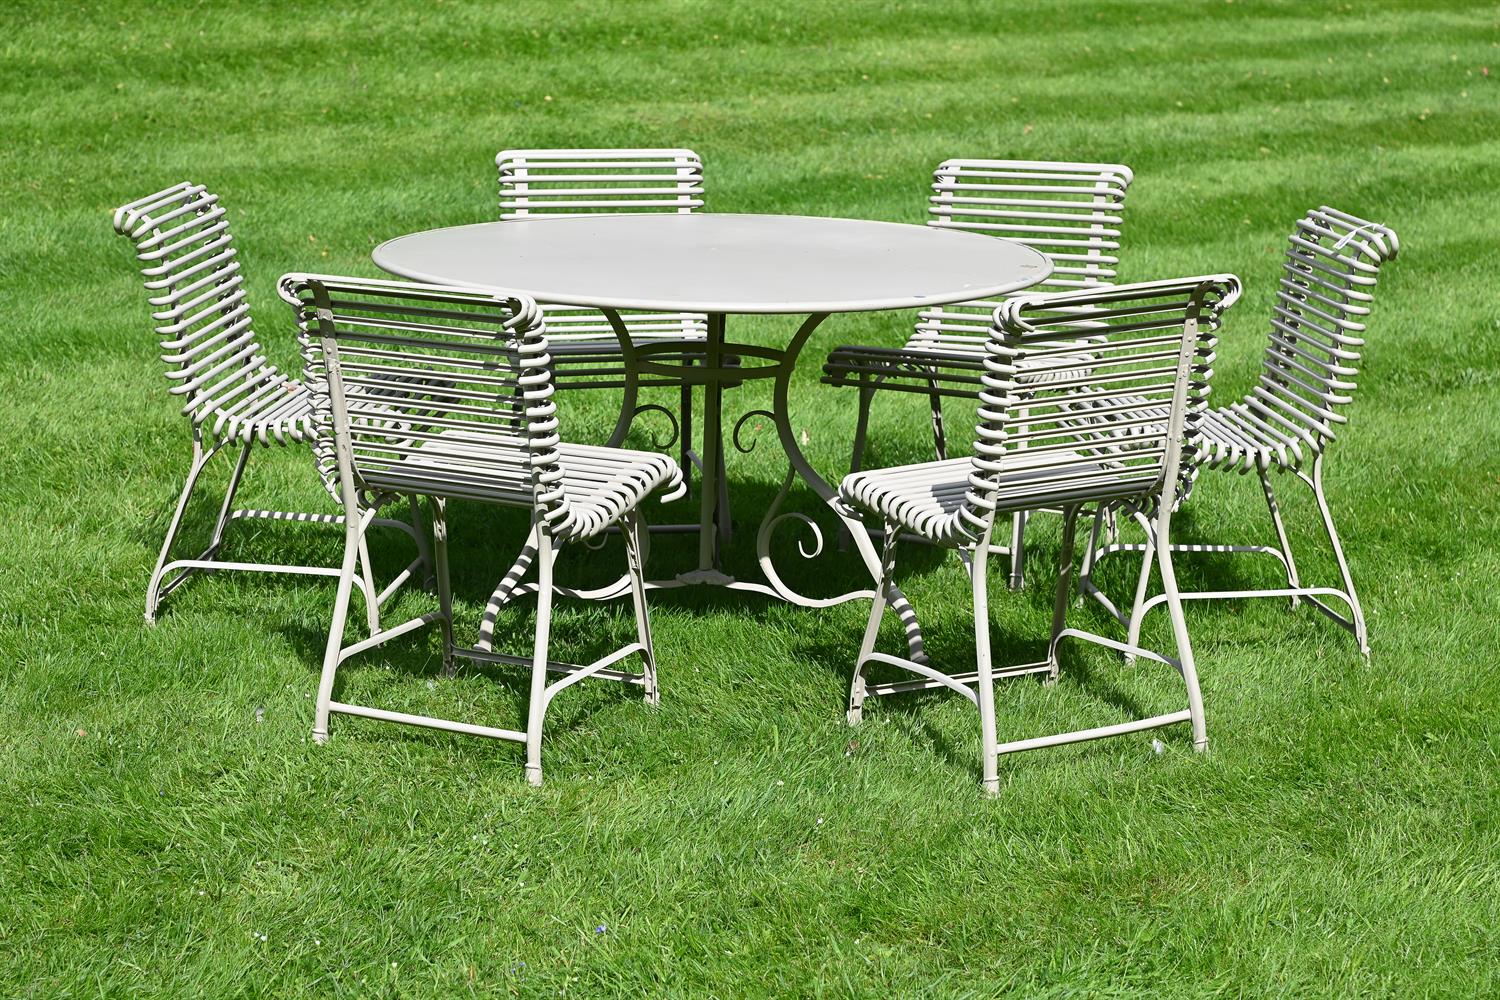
<point x="579" y="181"/>
<point x="1072" y="212"/>
<point x="197" y="299"/>
<point x="1110" y="422"/>
<point x="1326" y="288"/>
<point x="431" y="390"/>
<point x="547" y="182"/>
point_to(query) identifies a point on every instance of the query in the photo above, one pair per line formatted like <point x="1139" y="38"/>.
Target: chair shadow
<point x="498" y="533"/>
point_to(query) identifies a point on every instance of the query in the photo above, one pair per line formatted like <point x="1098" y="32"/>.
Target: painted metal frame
<point x="447" y="393"/>
<point x="1076" y="442"/>
<point x="1070" y="211"/>
<point x="231" y="396"/>
<point x="1287" y="421"/>
<point x="560" y="182"/>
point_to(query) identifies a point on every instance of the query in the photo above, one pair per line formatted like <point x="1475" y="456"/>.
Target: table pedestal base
<point x="713" y="522"/>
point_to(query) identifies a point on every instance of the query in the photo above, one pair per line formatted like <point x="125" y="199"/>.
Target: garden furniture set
<point x="603" y="272"/>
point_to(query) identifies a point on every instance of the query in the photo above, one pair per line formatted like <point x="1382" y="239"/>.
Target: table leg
<point x="713" y="444"/>
<point x="781" y="415"/>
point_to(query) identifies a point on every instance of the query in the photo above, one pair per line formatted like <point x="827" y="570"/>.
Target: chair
<point x="446" y="393"/>
<point x="1072" y="212"/>
<point x="585" y="348"/>
<point x="230" y="395"/>
<point x="1072" y="442"/>
<point x="1286" y="423"/>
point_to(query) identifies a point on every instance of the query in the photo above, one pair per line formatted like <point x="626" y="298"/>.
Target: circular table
<point x="721" y="264"/>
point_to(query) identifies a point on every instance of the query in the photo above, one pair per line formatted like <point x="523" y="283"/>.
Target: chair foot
<point x="991" y="788"/>
<point x="320" y="737"/>
<point x="534" y="775"/>
<point x="1200" y="746"/>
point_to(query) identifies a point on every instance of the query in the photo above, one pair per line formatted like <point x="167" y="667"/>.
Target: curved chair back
<point x="1112" y="423"/>
<point x="576" y="181"/>
<point x="197" y="300"/>
<point x="1072" y="212"/>
<point x="431" y="390"/>
<point x="548" y="182"/>
<point x="1326" y="289"/>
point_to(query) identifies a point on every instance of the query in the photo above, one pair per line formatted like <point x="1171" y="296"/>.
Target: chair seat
<point x="600" y="483"/>
<point x="956" y="364"/>
<point x="1243" y="438"/>
<point x="928" y="498"/>
<point x="278" y="413"/>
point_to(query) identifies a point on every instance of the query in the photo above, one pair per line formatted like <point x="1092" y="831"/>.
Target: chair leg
<point x="862" y="426"/>
<point x="332" y="653"/>
<point x="153" y="589"/>
<point x="872" y="629"/>
<point x="1064" y="588"/>
<point x="984" y="669"/>
<point x="939" y="437"/>
<point x="367" y="570"/>
<point x="1179" y="630"/>
<point x="444" y="584"/>
<point x="635" y="561"/>
<point x="1137" y="612"/>
<point x="1086" y="571"/>
<point x="1281" y="537"/>
<point x="1361" y="635"/>
<point x="685" y="433"/>
<point x="1018" y="549"/>
<point x="424" y="551"/>
<point x="537" y="710"/>
<point x="228" y="505"/>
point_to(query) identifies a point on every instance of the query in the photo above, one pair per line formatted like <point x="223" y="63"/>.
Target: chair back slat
<point x="550" y="182"/>
<point x="576" y="181"/>
<point x="1096" y="427"/>
<point x="1323" y="298"/>
<point x="423" y="387"/>
<point x="1072" y="212"/>
<point x="197" y="298"/>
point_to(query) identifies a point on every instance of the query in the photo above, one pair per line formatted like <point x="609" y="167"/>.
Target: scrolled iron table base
<point x="713" y="522"/>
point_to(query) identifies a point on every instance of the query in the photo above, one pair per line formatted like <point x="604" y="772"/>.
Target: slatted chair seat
<point x="1287" y="421"/>
<point x="282" y="414"/>
<point x="1082" y="440"/>
<point x="1243" y="438"/>
<point x="962" y="365"/>
<point x="927" y="499"/>
<point x="600" y="483"/>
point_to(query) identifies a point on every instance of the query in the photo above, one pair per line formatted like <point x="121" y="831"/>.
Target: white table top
<point x="719" y="263"/>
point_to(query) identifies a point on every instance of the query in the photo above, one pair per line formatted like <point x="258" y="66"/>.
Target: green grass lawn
<point x="167" y="828"/>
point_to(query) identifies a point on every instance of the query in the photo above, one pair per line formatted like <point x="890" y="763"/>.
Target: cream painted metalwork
<point x="536" y="183"/>
<point x="232" y="397"/>
<point x="1288" y="420"/>
<point x="447" y="393"/>
<point x="1072" y="212"/>
<point x="1076" y="440"/>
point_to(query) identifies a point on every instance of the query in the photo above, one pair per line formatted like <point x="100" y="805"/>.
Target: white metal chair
<point x="585" y="349"/>
<point x="447" y="393"/>
<point x="232" y="397"/>
<point x="1070" y="443"/>
<point x="1070" y="211"/>
<point x="1286" y="423"/>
